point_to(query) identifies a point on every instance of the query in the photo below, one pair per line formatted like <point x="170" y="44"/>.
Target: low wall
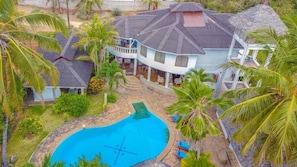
<point x="124" y="5"/>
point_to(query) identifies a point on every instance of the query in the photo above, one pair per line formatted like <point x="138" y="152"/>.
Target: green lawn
<point x="24" y="147"/>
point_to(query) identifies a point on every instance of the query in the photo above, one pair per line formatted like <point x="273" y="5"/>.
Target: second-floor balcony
<point x="124" y="49"/>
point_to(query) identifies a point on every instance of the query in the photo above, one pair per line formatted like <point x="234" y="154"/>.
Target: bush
<point x="73" y="104"/>
<point x="30" y="126"/>
<point x="116" y="12"/>
<point x="95" y="85"/>
<point x="111" y="98"/>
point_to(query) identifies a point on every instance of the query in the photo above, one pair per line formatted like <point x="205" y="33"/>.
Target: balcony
<point x="124" y="52"/>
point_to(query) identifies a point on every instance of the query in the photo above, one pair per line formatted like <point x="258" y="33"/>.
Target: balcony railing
<point x="124" y="49"/>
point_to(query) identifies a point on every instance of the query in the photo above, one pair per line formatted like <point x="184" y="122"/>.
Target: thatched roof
<point x="258" y="17"/>
<point x="151" y="163"/>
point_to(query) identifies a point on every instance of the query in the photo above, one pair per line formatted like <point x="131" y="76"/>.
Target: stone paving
<point x="156" y="101"/>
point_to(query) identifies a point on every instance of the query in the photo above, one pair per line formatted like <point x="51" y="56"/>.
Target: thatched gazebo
<point x="256" y="18"/>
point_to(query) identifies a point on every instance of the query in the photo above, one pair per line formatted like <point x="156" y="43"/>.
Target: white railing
<point x="124" y="49"/>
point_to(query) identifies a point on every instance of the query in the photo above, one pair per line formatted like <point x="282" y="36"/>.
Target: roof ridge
<point x="189" y="40"/>
<point x="67" y="44"/>
<point x="156" y="22"/>
<point x="166" y="37"/>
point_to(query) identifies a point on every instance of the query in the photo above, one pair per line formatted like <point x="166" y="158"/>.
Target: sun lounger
<point x="183" y="145"/>
<point x="180" y="154"/>
<point x="175" y="118"/>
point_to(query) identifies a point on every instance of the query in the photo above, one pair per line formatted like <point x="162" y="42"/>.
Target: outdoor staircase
<point x="132" y="83"/>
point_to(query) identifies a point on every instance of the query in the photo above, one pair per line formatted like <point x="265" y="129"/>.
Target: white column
<point x="231" y="48"/>
<point x="237" y="71"/>
<point x="166" y="79"/>
<point x="267" y="61"/>
<point x="255" y="53"/>
<point x="82" y="91"/>
<point x="149" y="73"/>
<point x="135" y="67"/>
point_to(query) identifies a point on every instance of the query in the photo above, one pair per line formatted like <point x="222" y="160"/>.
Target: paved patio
<point x="156" y="101"/>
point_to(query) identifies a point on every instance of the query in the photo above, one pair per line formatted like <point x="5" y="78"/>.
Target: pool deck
<point x="156" y="101"/>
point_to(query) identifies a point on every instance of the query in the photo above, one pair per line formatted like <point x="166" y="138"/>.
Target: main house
<point x="172" y="41"/>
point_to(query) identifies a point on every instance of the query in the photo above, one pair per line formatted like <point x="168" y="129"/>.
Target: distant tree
<point x="86" y="6"/>
<point x="149" y="3"/>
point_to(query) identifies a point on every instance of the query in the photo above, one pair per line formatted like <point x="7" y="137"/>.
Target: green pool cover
<point x="140" y="110"/>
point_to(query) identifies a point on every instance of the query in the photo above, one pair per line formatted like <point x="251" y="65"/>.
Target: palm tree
<point x="194" y="97"/>
<point x="192" y="160"/>
<point x="154" y="3"/>
<point x="87" y="6"/>
<point x="112" y="72"/>
<point x="96" y="162"/>
<point x="18" y="62"/>
<point x="267" y="114"/>
<point x="95" y="37"/>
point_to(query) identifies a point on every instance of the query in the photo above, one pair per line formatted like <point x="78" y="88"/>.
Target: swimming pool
<point x="122" y="144"/>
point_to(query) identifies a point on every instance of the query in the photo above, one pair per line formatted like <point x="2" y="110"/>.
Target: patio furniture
<point x="175" y="118"/>
<point x="183" y="145"/>
<point x="160" y="79"/>
<point x="180" y="154"/>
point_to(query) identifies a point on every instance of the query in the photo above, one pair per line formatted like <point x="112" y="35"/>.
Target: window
<point x="143" y="51"/>
<point x="181" y="61"/>
<point x="160" y="57"/>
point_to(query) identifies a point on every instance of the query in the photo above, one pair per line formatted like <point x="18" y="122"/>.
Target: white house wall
<point x="48" y="94"/>
<point x="169" y="64"/>
<point x="212" y="59"/>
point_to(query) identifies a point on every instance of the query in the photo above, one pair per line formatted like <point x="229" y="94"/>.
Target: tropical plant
<point x="192" y="160"/>
<point x="94" y="37"/>
<point x="112" y="72"/>
<point x="116" y="12"/>
<point x="18" y="62"/>
<point x="96" y="161"/>
<point x="154" y="3"/>
<point x="86" y="6"/>
<point x="74" y="104"/>
<point x="30" y="126"/>
<point x="194" y="96"/>
<point x="266" y="115"/>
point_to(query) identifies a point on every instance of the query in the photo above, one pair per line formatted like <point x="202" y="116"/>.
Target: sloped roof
<point x="164" y="29"/>
<point x="186" y="7"/>
<point x="258" y="17"/>
<point x="72" y="72"/>
<point x="129" y="26"/>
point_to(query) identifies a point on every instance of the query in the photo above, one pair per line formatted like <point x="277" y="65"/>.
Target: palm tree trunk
<point x="4" y="143"/>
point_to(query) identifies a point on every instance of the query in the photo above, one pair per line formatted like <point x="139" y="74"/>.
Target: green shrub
<point x="73" y="104"/>
<point x="116" y="12"/>
<point x="30" y="126"/>
<point x="111" y="98"/>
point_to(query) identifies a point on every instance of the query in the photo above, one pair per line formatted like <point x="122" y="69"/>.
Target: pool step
<point x="132" y="83"/>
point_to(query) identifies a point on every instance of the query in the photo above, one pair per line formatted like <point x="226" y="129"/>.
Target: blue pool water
<point x="122" y="144"/>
